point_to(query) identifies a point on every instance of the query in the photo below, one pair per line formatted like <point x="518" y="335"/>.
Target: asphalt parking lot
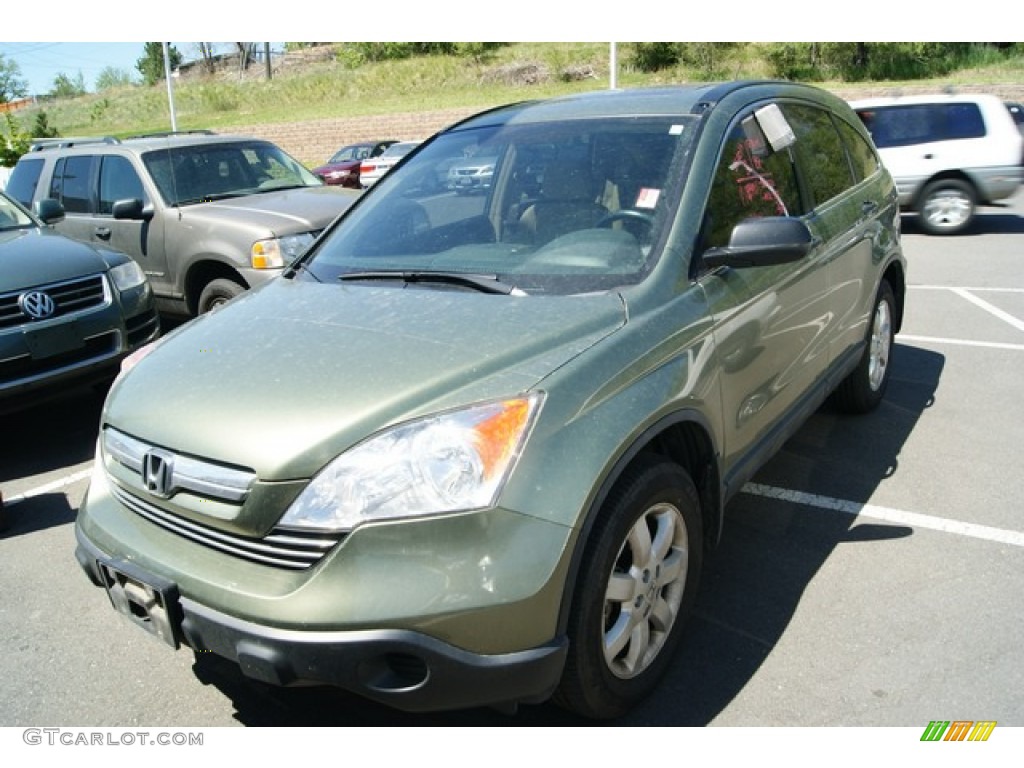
<point x="870" y="576"/>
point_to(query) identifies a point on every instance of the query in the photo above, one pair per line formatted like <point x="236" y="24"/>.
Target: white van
<point x="947" y="153"/>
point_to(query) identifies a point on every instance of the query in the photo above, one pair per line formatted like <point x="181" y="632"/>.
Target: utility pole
<point x="170" y="88"/>
<point x="266" y="59"/>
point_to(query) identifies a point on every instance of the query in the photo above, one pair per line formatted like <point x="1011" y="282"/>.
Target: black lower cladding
<point x="401" y="668"/>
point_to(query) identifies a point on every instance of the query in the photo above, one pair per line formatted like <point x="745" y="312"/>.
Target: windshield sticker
<point x="675" y="130"/>
<point x="647" y="198"/>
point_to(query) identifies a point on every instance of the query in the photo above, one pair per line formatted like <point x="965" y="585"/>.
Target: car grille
<point x="69" y="296"/>
<point x="295" y="550"/>
<point x="281" y="548"/>
<point x="26" y="367"/>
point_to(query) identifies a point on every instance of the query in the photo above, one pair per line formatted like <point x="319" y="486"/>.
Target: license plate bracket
<point x="144" y="599"/>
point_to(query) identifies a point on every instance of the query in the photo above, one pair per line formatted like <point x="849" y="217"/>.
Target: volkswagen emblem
<point x="158" y="473"/>
<point x="36" y="304"/>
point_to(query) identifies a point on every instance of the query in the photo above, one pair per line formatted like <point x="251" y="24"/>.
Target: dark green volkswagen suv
<point x="480" y="443"/>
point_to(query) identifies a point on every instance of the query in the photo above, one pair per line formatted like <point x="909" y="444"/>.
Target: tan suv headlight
<point x="278" y="252"/>
<point x="450" y="462"/>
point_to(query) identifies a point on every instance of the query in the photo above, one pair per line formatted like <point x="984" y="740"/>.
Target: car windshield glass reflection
<point x="196" y="174"/>
<point x="545" y="208"/>
<point x="11" y="216"/>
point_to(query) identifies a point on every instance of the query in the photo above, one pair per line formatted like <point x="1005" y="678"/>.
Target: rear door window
<point x="820" y="152"/>
<point x="70" y="183"/>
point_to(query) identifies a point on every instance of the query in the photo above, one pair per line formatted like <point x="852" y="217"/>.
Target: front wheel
<point x="947" y="207"/>
<point x="218" y="292"/>
<point x="864" y="388"/>
<point x="637" y="584"/>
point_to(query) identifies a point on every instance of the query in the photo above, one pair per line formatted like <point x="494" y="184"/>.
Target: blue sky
<point x="40" y="63"/>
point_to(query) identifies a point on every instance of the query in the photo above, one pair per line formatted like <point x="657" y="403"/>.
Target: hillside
<point x="316" y="102"/>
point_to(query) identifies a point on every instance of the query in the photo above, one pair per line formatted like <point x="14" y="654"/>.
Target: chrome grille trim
<point x="290" y="549"/>
<point x="71" y="297"/>
<point x="187" y="474"/>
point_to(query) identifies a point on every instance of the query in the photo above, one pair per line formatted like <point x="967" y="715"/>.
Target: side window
<point x="750" y="181"/>
<point x="819" y="152"/>
<point x="70" y="183"/>
<point x="118" y="181"/>
<point x="862" y="157"/>
<point x="963" y="121"/>
<point x="24" y="178"/>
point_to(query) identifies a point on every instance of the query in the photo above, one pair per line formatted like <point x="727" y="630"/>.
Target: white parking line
<point x="889" y="515"/>
<point x="56" y="485"/>
<point x="960" y="342"/>
<point x="968" y="295"/>
<point x="1006" y="317"/>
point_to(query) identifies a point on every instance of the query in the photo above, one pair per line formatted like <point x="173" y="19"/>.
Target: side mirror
<point x="49" y="210"/>
<point x="762" y="242"/>
<point x="131" y="209"/>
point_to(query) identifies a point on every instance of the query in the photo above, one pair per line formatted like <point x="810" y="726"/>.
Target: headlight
<point x="126" y="276"/>
<point x="450" y="462"/>
<point x="280" y="251"/>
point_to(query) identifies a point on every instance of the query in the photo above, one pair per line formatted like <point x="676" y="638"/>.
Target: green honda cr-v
<point x="480" y="443"/>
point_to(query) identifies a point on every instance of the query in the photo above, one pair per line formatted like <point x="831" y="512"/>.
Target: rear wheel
<point x="636" y="587"/>
<point x="947" y="207"/>
<point x="863" y="390"/>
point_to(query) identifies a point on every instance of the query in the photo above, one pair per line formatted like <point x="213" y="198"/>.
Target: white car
<point x="947" y="153"/>
<point x="372" y="168"/>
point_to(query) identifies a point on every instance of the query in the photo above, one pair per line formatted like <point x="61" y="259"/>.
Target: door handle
<point x="868" y="207"/>
<point x="103" y="233"/>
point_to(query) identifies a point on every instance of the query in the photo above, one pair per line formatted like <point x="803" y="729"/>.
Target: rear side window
<point x="70" y="183"/>
<point x="820" y="152"/>
<point x="903" y="125"/>
<point x="862" y="156"/>
<point x="24" y="178"/>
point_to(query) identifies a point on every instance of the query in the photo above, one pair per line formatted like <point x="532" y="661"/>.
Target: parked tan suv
<point x="206" y="216"/>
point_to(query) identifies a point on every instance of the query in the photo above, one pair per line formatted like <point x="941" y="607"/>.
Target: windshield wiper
<point x="482" y="283"/>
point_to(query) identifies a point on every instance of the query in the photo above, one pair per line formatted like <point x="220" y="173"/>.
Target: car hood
<point x="287" y="377"/>
<point x="288" y="211"/>
<point x="31" y="257"/>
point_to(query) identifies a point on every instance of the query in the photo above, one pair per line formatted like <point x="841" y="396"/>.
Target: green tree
<point x="12" y="85"/>
<point x="65" y="87"/>
<point x="14" y="142"/>
<point x="151" y="65"/>
<point x="41" y="128"/>
<point x="113" y="77"/>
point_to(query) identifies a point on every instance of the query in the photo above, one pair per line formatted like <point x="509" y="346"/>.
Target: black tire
<point x="864" y="388"/>
<point x="947" y="207"/>
<point x="218" y="292"/>
<point x="627" y="615"/>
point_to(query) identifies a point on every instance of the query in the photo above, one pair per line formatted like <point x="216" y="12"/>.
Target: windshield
<point x="200" y="173"/>
<point x="12" y="216"/>
<point x="547" y="207"/>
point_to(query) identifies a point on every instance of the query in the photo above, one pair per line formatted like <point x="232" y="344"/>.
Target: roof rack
<point x="38" y="145"/>
<point x="166" y="134"/>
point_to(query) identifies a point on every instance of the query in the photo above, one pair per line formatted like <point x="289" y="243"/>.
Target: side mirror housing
<point x="131" y="209"/>
<point x="762" y="242"/>
<point x="49" y="210"/>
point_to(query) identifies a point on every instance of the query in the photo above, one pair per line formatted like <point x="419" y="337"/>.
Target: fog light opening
<point x="394" y="672"/>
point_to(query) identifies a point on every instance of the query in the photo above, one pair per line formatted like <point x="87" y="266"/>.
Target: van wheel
<point x="218" y="292"/>
<point x="947" y="207"/>
<point x="863" y="390"/>
<point x="637" y="584"/>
